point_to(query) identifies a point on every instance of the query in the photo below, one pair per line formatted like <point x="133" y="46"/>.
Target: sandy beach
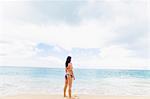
<point x="79" y="97"/>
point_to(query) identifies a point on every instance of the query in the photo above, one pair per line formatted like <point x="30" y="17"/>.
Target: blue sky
<point x="96" y="33"/>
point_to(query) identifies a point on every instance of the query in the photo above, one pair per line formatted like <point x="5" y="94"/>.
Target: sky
<point x="96" y="33"/>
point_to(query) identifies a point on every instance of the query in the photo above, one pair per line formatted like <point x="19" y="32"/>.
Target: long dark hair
<point x="68" y="60"/>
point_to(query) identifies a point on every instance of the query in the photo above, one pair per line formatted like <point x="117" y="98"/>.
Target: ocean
<point x="30" y="80"/>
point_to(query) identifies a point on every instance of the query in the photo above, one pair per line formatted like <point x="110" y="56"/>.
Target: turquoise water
<point x="15" y="80"/>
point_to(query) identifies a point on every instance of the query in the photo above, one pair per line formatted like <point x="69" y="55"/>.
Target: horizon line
<point x="79" y="67"/>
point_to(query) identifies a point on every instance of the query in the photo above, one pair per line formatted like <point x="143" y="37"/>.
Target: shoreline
<point x="41" y="96"/>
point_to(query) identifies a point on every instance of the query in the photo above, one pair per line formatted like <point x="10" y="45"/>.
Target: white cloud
<point x="86" y="35"/>
<point x="95" y="30"/>
<point x="24" y="53"/>
<point x="114" y="56"/>
<point x="115" y="52"/>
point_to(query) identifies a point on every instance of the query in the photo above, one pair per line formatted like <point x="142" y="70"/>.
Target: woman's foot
<point x="65" y="98"/>
<point x="72" y="98"/>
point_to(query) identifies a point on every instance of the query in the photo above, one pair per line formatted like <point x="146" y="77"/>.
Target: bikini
<point x="68" y="74"/>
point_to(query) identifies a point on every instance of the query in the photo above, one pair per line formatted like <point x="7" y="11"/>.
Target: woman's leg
<point x="70" y="85"/>
<point x="65" y="87"/>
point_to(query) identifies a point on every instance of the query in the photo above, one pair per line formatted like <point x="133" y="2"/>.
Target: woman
<point x="69" y="76"/>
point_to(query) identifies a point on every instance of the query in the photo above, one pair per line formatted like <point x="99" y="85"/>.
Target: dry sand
<point x="79" y="97"/>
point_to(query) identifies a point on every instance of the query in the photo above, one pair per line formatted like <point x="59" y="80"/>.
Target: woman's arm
<point x="72" y="71"/>
<point x="73" y="75"/>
